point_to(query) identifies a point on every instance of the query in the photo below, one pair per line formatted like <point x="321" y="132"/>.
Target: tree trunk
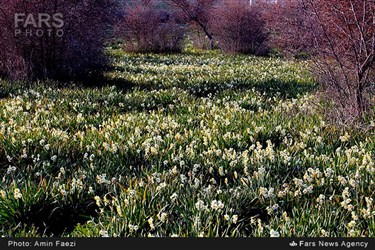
<point x="360" y="105"/>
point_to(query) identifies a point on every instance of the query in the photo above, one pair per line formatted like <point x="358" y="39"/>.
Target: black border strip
<point x="187" y="243"/>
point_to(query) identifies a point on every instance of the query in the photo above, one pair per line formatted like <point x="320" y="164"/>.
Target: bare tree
<point x="198" y="12"/>
<point x="239" y="28"/>
<point x="54" y="38"/>
<point x="341" y="37"/>
<point x="344" y="38"/>
<point x="286" y="19"/>
<point x="147" y="28"/>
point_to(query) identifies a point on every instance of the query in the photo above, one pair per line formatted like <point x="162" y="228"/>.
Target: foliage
<point x="239" y="28"/>
<point x="147" y="28"/>
<point x="340" y="36"/>
<point x="198" y="13"/>
<point x="198" y="147"/>
<point x="285" y="22"/>
<point x="35" y="45"/>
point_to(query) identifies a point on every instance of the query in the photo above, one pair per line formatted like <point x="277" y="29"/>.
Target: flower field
<point x="198" y="144"/>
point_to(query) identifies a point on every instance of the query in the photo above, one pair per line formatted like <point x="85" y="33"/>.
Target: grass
<point x="189" y="145"/>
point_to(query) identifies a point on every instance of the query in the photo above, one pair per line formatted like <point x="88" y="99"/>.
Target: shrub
<point x="289" y="27"/>
<point x="343" y="36"/>
<point x="53" y="39"/>
<point x="199" y="39"/>
<point x="239" y="28"/>
<point x="197" y="13"/>
<point x="147" y="28"/>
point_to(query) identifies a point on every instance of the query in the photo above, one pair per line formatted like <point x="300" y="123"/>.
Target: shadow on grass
<point x="8" y="88"/>
<point x="39" y="209"/>
<point x="271" y="88"/>
<point x="54" y="219"/>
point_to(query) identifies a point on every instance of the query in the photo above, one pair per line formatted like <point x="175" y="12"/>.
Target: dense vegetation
<point x="192" y="144"/>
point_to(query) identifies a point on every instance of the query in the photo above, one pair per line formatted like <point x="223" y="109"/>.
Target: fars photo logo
<point x="40" y="24"/>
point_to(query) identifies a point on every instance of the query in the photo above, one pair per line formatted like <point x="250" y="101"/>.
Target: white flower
<point x="351" y="224"/>
<point x="353" y="183"/>
<point x="174" y="196"/>
<point x="345" y="193"/>
<point x="369" y="201"/>
<point x="220" y="204"/>
<point x="275" y="207"/>
<point x="263" y="191"/>
<point x="217" y="205"/>
<point x="345" y="137"/>
<point x="342" y="180"/>
<point x="153" y="151"/>
<point x="17" y="194"/>
<point x="329" y="172"/>
<point x="97" y="200"/>
<point x="214" y="205"/>
<point x="62" y="189"/>
<point x="324" y="233"/>
<point x="354" y="216"/>
<point x="161" y="186"/>
<point x="196" y="183"/>
<point x="351" y="233"/>
<point x="298" y="182"/>
<point x="308" y="190"/>
<point x="162" y="217"/>
<point x="92" y="157"/>
<point x="235" y="218"/>
<point x="321" y="199"/>
<point x="11" y="169"/>
<point x="200" y="205"/>
<point x="221" y="171"/>
<point x="101" y="179"/>
<point x="271" y="192"/>
<point x="133" y="228"/>
<point x="103" y="233"/>
<point x="151" y="223"/>
<point x="226" y="217"/>
<point x="274" y="233"/>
